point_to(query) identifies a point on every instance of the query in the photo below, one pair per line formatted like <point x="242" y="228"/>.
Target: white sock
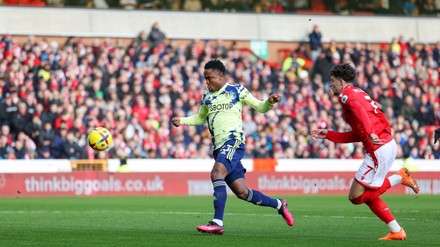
<point x="279" y="204"/>
<point x="394" y="226"/>
<point x="395" y="179"/>
<point x="219" y="222"/>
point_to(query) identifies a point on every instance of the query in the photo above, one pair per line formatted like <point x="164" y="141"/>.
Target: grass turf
<point x="171" y="221"/>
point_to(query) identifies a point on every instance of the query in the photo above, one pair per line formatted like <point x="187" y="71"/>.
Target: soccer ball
<point x="100" y="139"/>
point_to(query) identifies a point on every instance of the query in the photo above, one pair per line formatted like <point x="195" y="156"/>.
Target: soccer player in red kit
<point x="369" y="126"/>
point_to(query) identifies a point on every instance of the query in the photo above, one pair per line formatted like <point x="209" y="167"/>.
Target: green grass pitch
<point x="171" y="221"/>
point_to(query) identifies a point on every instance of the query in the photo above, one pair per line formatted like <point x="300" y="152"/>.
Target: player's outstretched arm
<point x="196" y="119"/>
<point x="259" y="105"/>
<point x="338" y="137"/>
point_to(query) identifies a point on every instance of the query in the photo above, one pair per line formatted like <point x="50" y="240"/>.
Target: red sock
<point x="371" y="194"/>
<point x="380" y="208"/>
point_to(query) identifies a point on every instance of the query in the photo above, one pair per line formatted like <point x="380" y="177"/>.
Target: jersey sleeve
<point x="360" y="113"/>
<point x="259" y="105"/>
<point x="342" y="137"/>
<point x="196" y="119"/>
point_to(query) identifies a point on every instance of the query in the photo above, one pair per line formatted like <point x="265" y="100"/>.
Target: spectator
<point x="408" y="108"/>
<point x="322" y="67"/>
<point x="134" y="127"/>
<point x="58" y="143"/>
<point x="261" y="6"/>
<point x="100" y="4"/>
<point x="55" y="3"/>
<point x="147" y="4"/>
<point x="315" y="42"/>
<point x="192" y="5"/>
<point x="330" y="5"/>
<point x="64" y="118"/>
<point x="140" y="109"/>
<point x="6" y="131"/>
<point x="232" y="6"/>
<point x="47" y="135"/>
<point x="19" y="150"/>
<point x="293" y="64"/>
<point x="4" y="147"/>
<point x="71" y="149"/>
<point x="33" y="127"/>
<point x="381" y="8"/>
<point x="8" y="109"/>
<point x="76" y="3"/>
<point x="299" y="5"/>
<point x="211" y="5"/>
<point x="410" y="8"/>
<point x="396" y="8"/>
<point x="156" y="36"/>
<point x="51" y="115"/>
<point x="45" y="153"/>
<point x="249" y="126"/>
<point x="21" y="118"/>
<point x="275" y="6"/>
<point x="428" y="8"/>
<point x="128" y="4"/>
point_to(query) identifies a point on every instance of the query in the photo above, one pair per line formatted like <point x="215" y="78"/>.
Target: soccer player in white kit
<point x="221" y="108"/>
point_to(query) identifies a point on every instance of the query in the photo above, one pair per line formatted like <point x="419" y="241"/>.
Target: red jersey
<point x="364" y="117"/>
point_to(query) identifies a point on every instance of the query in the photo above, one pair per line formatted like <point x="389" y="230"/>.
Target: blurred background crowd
<point x="53" y="93"/>
<point x="343" y="7"/>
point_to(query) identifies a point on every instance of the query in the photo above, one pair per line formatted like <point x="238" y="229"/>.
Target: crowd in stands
<point x="52" y="94"/>
<point x="356" y="7"/>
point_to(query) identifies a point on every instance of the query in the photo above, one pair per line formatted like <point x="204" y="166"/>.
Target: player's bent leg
<point x="407" y="180"/>
<point x="356" y="192"/>
<point x="359" y="194"/>
<point x="378" y="207"/>
<point x="382" y="211"/>
<point x="241" y="190"/>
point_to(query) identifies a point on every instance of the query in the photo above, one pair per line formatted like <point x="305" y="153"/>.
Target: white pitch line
<point x="184" y="213"/>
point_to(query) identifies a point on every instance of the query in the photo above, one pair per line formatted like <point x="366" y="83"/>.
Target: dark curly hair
<point x="345" y="72"/>
<point x="216" y="65"/>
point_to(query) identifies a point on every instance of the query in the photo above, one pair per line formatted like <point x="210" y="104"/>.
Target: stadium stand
<point x="54" y="91"/>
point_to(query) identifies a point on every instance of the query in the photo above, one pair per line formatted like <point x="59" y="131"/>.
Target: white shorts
<point x="373" y="170"/>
